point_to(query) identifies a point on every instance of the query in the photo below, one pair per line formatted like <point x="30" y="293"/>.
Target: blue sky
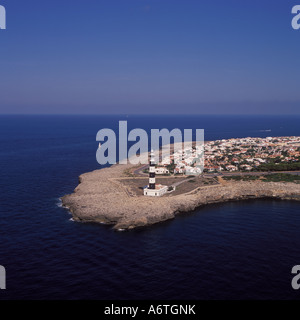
<point x="154" y="56"/>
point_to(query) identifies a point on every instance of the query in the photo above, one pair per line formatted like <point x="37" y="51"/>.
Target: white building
<point x="157" y="192"/>
<point x="192" y="170"/>
<point x="161" y="170"/>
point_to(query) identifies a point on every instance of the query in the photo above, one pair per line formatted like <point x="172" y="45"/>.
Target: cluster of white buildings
<point x="189" y="161"/>
<point x="248" y="153"/>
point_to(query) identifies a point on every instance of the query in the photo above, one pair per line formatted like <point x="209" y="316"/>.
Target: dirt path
<point x="222" y="181"/>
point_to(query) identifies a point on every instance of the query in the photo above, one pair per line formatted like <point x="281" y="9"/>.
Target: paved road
<point x="249" y="173"/>
<point x="139" y="171"/>
<point x="180" y="182"/>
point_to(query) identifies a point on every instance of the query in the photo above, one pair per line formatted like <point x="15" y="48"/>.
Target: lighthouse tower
<point x="152" y="171"/>
<point x="153" y="189"/>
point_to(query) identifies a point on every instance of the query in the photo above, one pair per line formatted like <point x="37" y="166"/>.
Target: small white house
<point x="246" y="167"/>
<point x="161" y="170"/>
<point x="193" y="170"/>
<point x="179" y="170"/>
<point x="231" y="168"/>
<point x="157" y="192"/>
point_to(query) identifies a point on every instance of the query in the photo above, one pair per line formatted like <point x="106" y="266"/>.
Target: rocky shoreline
<point x="101" y="197"/>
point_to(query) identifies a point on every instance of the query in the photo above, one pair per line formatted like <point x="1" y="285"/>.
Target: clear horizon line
<point x="149" y="114"/>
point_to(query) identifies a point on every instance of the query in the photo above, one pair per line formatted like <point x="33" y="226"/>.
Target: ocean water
<point x="236" y="250"/>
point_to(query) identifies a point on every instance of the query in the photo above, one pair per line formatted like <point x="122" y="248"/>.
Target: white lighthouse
<point x="153" y="189"/>
<point x="152" y="171"/>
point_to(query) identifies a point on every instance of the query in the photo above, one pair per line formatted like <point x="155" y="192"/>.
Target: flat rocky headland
<point x="102" y="197"/>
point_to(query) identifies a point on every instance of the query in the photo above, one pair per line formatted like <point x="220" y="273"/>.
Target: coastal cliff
<point x="102" y="197"/>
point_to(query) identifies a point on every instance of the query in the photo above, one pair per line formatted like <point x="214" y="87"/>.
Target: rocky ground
<point x="102" y="197"/>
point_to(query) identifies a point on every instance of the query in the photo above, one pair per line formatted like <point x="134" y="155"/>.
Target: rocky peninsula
<point x="102" y="196"/>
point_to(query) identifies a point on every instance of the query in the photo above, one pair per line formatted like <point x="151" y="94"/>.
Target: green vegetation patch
<point x="274" y="177"/>
<point x="241" y="178"/>
<point x="279" y="166"/>
<point x="281" y="177"/>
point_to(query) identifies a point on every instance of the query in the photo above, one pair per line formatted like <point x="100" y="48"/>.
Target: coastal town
<point x="236" y="155"/>
<point x="130" y="196"/>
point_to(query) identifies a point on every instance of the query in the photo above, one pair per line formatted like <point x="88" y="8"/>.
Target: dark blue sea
<point x="236" y="250"/>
